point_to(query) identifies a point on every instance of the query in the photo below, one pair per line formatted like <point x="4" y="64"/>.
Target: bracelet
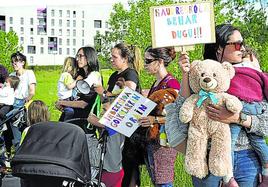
<point x="104" y="93"/>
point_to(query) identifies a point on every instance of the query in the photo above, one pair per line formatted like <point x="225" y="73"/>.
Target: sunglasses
<point x="149" y="61"/>
<point x="79" y="56"/>
<point x="237" y="45"/>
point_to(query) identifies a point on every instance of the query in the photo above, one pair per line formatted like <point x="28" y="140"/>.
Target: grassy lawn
<point x="47" y="91"/>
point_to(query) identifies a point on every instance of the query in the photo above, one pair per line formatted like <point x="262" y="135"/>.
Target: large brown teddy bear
<point x="161" y="98"/>
<point x="208" y="80"/>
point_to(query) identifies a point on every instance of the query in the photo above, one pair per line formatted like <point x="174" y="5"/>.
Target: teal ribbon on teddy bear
<point x="204" y="95"/>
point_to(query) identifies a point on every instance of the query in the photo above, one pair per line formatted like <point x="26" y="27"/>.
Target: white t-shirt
<point x="7" y="95"/>
<point x="26" y="79"/>
<point x="65" y="79"/>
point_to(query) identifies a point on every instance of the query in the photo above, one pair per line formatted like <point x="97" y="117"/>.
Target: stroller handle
<point x="12" y="113"/>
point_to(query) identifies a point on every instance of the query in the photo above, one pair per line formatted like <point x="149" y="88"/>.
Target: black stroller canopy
<point x="53" y="149"/>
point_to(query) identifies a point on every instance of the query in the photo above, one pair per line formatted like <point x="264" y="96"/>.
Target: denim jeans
<point x="246" y="170"/>
<point x="15" y="130"/>
<point x="68" y="113"/>
<point x="257" y="142"/>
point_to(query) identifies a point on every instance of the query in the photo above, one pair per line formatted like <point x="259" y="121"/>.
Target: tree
<point x="9" y="43"/>
<point x="132" y="25"/>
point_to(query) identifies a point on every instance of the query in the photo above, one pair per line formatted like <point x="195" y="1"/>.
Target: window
<point x="52" y="13"/>
<point x="68" y="42"/>
<point x="74" y="14"/>
<point x="22" y="21"/>
<point x="74" y="32"/>
<point x="68" y="23"/>
<point x="22" y="30"/>
<point x="68" y="32"/>
<point x="41" y="50"/>
<point x="60" y="32"/>
<point x="31" y="40"/>
<point x="60" y="51"/>
<point x="52" y="45"/>
<point x="32" y="31"/>
<point x="97" y="23"/>
<point x="10" y="28"/>
<point x="83" y="42"/>
<point x="41" y="41"/>
<point x="31" y="21"/>
<point x="68" y="13"/>
<point x="83" y="23"/>
<point x="106" y="25"/>
<point x="60" y="41"/>
<point x="52" y="22"/>
<point x="83" y="14"/>
<point x="60" y="22"/>
<point x="74" y="51"/>
<point x="60" y="13"/>
<point x="31" y="59"/>
<point x="22" y="40"/>
<point x="68" y="51"/>
<point x="83" y="33"/>
<point x="31" y="49"/>
<point x="11" y="20"/>
<point x="52" y="32"/>
<point x="74" y="23"/>
<point x="74" y="42"/>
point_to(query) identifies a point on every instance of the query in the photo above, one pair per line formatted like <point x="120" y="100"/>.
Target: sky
<point x="56" y="2"/>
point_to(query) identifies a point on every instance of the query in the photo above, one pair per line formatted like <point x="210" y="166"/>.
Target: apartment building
<point x="49" y="34"/>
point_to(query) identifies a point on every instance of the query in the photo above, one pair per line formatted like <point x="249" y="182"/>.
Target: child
<point x="250" y="85"/>
<point x="66" y="84"/>
<point x="36" y="112"/>
<point x="7" y="95"/>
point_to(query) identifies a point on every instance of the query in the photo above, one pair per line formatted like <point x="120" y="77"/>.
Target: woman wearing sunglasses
<point x="160" y="159"/>
<point x="247" y="127"/>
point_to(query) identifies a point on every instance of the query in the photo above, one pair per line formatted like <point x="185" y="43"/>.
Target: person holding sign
<point x="160" y="159"/>
<point x="127" y="61"/>
<point x="228" y="47"/>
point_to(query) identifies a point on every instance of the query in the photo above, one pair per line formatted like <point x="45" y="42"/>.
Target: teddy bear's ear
<point x="194" y="63"/>
<point x="230" y="69"/>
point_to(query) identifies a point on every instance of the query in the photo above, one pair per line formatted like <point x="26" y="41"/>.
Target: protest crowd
<point x="124" y="126"/>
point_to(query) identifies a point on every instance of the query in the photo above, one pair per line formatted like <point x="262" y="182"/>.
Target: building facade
<point x="49" y="34"/>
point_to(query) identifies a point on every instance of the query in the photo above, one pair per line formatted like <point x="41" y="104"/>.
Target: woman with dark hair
<point x="123" y="157"/>
<point x="228" y="47"/>
<point x="160" y="159"/>
<point x="88" y="65"/>
<point x="25" y="90"/>
<point x="3" y="74"/>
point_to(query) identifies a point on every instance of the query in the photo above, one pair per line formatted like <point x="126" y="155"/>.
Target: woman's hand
<point x="221" y="114"/>
<point x="184" y="62"/>
<point x="59" y="106"/>
<point x="94" y="120"/>
<point x="146" y="121"/>
<point x="99" y="89"/>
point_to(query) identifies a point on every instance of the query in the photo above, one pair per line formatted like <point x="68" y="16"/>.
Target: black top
<point x="88" y="98"/>
<point x="128" y="74"/>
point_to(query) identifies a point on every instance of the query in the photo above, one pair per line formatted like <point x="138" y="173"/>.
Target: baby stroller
<point x="96" y="148"/>
<point x="53" y="154"/>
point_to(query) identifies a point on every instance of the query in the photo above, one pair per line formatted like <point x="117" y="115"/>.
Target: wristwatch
<point x="156" y="119"/>
<point x="242" y="118"/>
<point x="104" y="93"/>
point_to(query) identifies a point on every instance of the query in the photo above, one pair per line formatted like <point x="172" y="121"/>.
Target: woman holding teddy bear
<point x="228" y="47"/>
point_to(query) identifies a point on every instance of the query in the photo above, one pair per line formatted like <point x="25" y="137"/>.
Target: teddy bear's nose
<point x="207" y="79"/>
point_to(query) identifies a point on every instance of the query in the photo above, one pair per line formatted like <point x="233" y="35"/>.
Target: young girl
<point x="36" y="112"/>
<point x="7" y="95"/>
<point x="66" y="84"/>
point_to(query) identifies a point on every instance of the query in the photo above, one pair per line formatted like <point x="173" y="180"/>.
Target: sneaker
<point x="231" y="183"/>
<point x="264" y="181"/>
